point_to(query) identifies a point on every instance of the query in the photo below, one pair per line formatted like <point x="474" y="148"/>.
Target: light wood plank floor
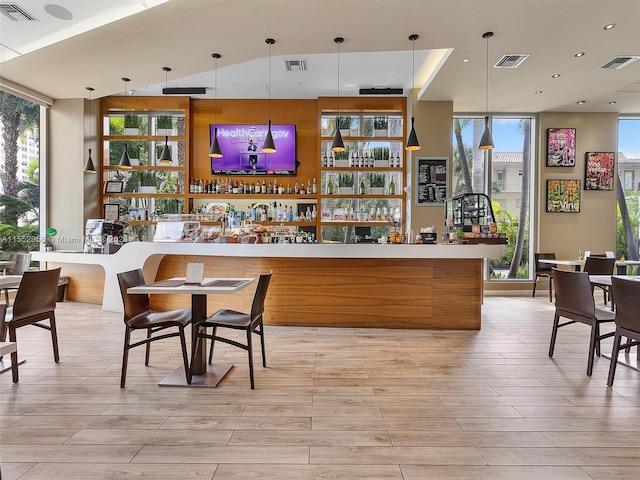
<point x="333" y="404"/>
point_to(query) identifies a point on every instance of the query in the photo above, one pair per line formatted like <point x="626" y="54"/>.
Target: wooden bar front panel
<point x="329" y="292"/>
<point x="86" y="282"/>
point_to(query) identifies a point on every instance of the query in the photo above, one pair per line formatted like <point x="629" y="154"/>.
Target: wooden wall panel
<point x="398" y="293"/>
<point x="86" y="282"/>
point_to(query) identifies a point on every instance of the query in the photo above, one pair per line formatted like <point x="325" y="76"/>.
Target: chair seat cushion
<point x="229" y="318"/>
<point x="604" y="315"/>
<point x="154" y="319"/>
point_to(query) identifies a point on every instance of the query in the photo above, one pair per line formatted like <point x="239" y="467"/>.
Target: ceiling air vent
<point x="620" y="62"/>
<point x="295" y="65"/>
<point x="511" y="60"/>
<point x="16" y="13"/>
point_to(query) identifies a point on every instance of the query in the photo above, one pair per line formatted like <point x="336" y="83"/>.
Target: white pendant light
<point x="215" y="151"/>
<point x="125" y="161"/>
<point x="338" y="143"/>
<point x="165" y="156"/>
<point x="486" y="142"/>
<point x="268" y="146"/>
<point x="89" y="166"/>
<point x="412" y="142"/>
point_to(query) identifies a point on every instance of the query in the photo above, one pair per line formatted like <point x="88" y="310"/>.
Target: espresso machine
<point x="104" y="236"/>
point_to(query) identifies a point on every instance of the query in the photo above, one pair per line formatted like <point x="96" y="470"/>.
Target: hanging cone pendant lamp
<point x="165" y="156"/>
<point x="412" y="142"/>
<point x="486" y="142"/>
<point x="338" y="143"/>
<point x="125" y="161"/>
<point x="215" y="151"/>
<point x="268" y="146"/>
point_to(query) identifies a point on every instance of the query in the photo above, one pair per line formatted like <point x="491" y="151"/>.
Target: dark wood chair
<point x="543" y="270"/>
<point x="596" y="264"/>
<point x="248" y="322"/>
<point x="574" y="301"/>
<point x="21" y="260"/>
<point x="35" y="302"/>
<point x="627" y="295"/>
<point x="139" y="316"/>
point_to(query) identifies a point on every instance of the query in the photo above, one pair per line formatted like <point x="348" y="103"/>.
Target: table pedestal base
<point x="210" y="379"/>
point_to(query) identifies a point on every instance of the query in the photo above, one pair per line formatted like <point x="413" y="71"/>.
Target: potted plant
<point x="377" y="183"/>
<point x="131" y="124"/>
<point x="164" y="125"/>
<point x="345" y="183"/>
<point x="380" y="126"/>
<point x="342" y="158"/>
<point x="344" y="124"/>
<point x="381" y="157"/>
<point x="147" y="182"/>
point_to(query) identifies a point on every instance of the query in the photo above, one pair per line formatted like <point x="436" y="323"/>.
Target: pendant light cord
<point x="487" y="36"/>
<point x="269" y="91"/>
<point x="338" y="41"/>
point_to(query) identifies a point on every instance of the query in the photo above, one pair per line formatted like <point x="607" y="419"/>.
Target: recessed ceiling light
<point x="609" y="26"/>
<point x="58" y="12"/>
<point x="538" y="92"/>
<point x="555" y="75"/>
<point x="581" y="102"/>
<point x="466" y="60"/>
<point x="612" y="103"/>
<point x="579" y="54"/>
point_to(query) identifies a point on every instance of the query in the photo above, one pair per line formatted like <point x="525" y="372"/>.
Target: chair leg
<point x="147" y="353"/>
<point x="194" y="349"/>
<point x="213" y="341"/>
<point x="597" y="327"/>
<point x="551" y="289"/>
<point x="264" y="355"/>
<point x="554" y="332"/>
<point x="250" y="354"/>
<point x="593" y="344"/>
<point x="54" y="337"/>
<point x="185" y="357"/>
<point x="14" y="355"/>
<point x="125" y="356"/>
<point x="535" y="283"/>
<point x="614" y="359"/>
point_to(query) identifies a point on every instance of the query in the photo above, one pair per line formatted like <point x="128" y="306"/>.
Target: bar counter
<point x="335" y="285"/>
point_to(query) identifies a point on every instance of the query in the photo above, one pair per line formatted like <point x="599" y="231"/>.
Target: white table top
<point x="10" y="281"/>
<point x="6" y="263"/>
<point x="561" y="262"/>
<point x="627" y="262"/>
<point x="606" y="279"/>
<point x="209" y="286"/>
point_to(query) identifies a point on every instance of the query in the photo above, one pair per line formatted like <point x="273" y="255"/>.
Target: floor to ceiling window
<point x="19" y="174"/>
<point x="628" y="211"/>
<point x="505" y="174"/>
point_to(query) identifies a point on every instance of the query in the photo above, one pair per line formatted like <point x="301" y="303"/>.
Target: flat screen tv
<point x="242" y="153"/>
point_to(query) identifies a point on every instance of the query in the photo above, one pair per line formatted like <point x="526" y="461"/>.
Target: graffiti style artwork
<point x="599" y="170"/>
<point x="561" y="147"/>
<point x="563" y="196"/>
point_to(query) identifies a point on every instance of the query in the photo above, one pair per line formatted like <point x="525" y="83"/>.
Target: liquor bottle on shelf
<point x="392" y="187"/>
<point x="296" y="188"/>
<point x="362" y="186"/>
<point x="263" y="189"/>
<point x="330" y="186"/>
<point x="302" y="190"/>
<point x="324" y="160"/>
<point x="314" y="188"/>
<point x="397" y="162"/>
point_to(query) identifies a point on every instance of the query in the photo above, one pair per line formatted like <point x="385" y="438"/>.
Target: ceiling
<point x="109" y="39"/>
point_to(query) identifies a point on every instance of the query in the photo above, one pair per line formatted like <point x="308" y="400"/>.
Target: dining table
<point x="623" y="357"/>
<point x="576" y="265"/>
<point x="203" y="375"/>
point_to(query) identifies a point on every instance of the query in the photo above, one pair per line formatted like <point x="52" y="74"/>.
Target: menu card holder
<point x="195" y="274"/>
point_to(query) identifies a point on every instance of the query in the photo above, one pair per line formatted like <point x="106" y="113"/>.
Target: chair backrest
<point x="599" y="265"/>
<point x="21" y="265"/>
<point x="544" y="267"/>
<point x="36" y="294"/>
<point x="627" y="295"/>
<point x="257" y="308"/>
<point x="134" y="304"/>
<point x="573" y="293"/>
